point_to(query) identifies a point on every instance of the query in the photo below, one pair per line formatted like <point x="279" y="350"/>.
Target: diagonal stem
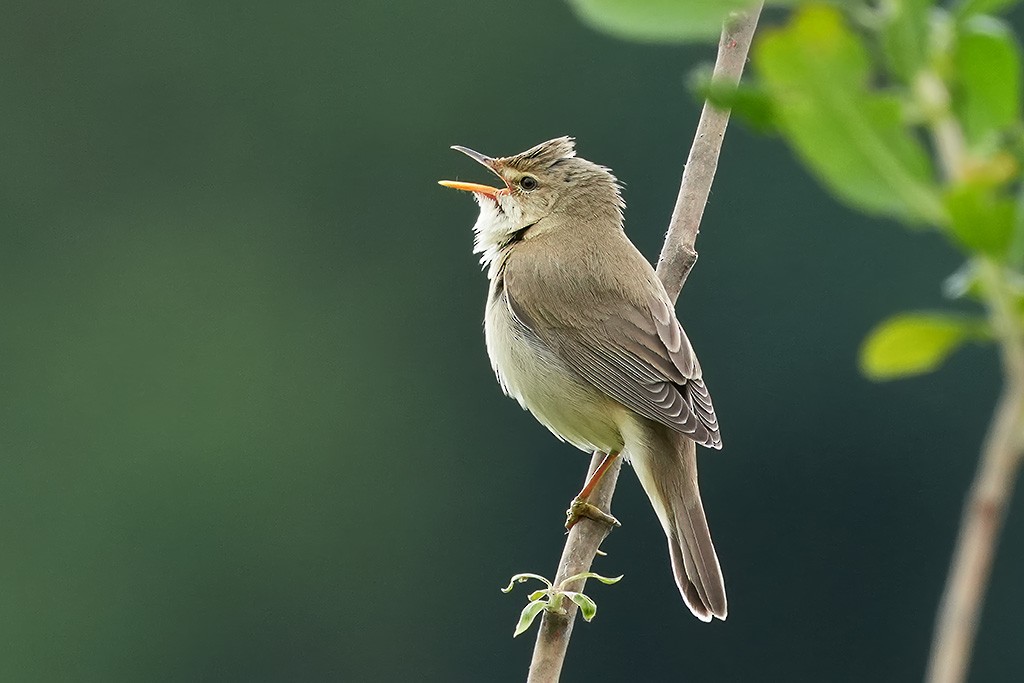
<point x="985" y="507"/>
<point x="956" y="625"/>
<point x="678" y="254"/>
<point x="580" y="548"/>
<point x="677" y="258"/>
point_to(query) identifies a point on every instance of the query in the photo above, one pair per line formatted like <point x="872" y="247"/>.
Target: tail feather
<point x="694" y="597"/>
<point x="666" y="464"/>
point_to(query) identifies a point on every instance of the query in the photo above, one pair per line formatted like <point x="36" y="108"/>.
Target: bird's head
<point x="544" y="182"/>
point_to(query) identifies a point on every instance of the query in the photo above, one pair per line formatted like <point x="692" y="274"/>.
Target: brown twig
<point x="677" y="258"/>
<point x="580" y="548"/>
<point x="986" y="503"/>
<point x="678" y="253"/>
<point x="985" y="508"/>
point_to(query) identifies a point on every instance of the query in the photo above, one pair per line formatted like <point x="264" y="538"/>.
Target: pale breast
<point x="563" y="402"/>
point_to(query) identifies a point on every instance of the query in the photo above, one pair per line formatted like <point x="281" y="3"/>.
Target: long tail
<point x="666" y="464"/>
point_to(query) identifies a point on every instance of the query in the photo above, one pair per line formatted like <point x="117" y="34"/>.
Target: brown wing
<point x="638" y="355"/>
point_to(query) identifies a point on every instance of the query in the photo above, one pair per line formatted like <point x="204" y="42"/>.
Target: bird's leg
<point x="580" y="505"/>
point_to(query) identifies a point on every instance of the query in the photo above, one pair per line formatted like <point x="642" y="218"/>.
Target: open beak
<point x="471" y="187"/>
<point x="486" y="190"/>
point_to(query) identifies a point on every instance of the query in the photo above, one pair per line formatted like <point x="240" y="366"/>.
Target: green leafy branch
<point x="908" y="110"/>
<point x="552" y="599"/>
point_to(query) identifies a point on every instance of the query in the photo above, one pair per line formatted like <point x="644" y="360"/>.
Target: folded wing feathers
<point x="643" y="361"/>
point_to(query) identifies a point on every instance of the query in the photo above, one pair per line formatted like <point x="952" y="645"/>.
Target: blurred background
<point x="248" y="427"/>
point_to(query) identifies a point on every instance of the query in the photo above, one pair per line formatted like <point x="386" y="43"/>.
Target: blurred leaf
<point x="996" y="169"/>
<point x="964" y="283"/>
<point x="915" y="343"/>
<point x="750" y="102"/>
<point x="659" y="21"/>
<point x="969" y="8"/>
<point x="1015" y="250"/>
<point x="527" y="616"/>
<point x="981" y="219"/>
<point x="588" y="608"/>
<point x="987" y="93"/>
<point x="855" y="140"/>
<point x="905" y="35"/>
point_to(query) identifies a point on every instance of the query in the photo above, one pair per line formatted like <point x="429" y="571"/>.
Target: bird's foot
<point x="581" y="508"/>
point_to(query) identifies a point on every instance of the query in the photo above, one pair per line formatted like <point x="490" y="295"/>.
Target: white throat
<point x="495" y="224"/>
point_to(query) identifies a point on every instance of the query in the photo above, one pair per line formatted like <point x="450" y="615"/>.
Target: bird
<point x="581" y="332"/>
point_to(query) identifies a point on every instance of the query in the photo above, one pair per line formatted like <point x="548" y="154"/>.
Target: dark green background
<point x="248" y="427"/>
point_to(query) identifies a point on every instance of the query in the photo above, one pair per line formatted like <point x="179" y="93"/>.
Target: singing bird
<point x="581" y="332"/>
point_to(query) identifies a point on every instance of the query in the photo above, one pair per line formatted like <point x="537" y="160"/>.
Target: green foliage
<point x="660" y="21"/>
<point x="552" y="599"/>
<point x="914" y="343"/>
<point x="981" y="219"/>
<point x="855" y="138"/>
<point x="986" y="96"/>
<point x="588" y="608"/>
<point x="857" y="95"/>
<point x="529" y="613"/>
<point x="904" y="36"/>
<point x="856" y="104"/>
<point x="967" y="8"/>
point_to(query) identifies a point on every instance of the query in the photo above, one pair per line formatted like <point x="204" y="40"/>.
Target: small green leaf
<point x="915" y="343"/>
<point x="528" y="614"/>
<point x="854" y="138"/>
<point x="588" y="608"/>
<point x="522" y="578"/>
<point x="658" y="21"/>
<point x="604" y="579"/>
<point x="904" y="35"/>
<point x="987" y="90"/>
<point x="981" y="219"/>
<point x="591" y="575"/>
<point x="968" y="8"/>
<point x="538" y="594"/>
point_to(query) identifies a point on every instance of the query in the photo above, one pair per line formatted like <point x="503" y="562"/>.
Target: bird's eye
<point x="528" y="182"/>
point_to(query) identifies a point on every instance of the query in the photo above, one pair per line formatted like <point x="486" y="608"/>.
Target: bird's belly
<point x="563" y="402"/>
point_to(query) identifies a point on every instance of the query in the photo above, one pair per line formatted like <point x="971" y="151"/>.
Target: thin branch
<point x="678" y="254"/>
<point x="956" y="625"/>
<point x="985" y="507"/>
<point x="677" y="258"/>
<point x="581" y="546"/>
